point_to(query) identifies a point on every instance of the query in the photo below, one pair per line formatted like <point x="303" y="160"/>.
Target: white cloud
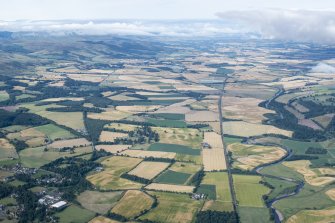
<point x="296" y="25"/>
<point x="323" y="68"/>
<point x="100" y="27"/>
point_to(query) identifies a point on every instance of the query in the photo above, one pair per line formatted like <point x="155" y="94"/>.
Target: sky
<point x="143" y="9"/>
<point x="302" y="20"/>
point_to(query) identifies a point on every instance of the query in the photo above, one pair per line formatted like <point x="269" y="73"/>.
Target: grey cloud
<point x="297" y="25"/>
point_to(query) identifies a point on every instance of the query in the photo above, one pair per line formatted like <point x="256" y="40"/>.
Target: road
<point x="230" y="175"/>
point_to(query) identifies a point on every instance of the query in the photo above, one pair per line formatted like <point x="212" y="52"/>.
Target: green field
<point x="254" y="215"/>
<point x="209" y="190"/>
<point x="164" y="147"/>
<point x="54" y="132"/>
<point x="282" y="171"/>
<point x="170" y="116"/>
<point x="220" y="180"/>
<point x="100" y="202"/>
<point x="37" y="157"/>
<point x="75" y="214"/>
<point x="167" y="123"/>
<point x="172" y="177"/>
<point x="249" y="191"/>
<point x="309" y="198"/>
<point x="173" y="208"/>
<point x="280" y="187"/>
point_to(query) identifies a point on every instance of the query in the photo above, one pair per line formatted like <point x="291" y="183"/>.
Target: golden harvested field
<point x="324" y="120"/>
<point x="7" y="150"/>
<point x="102" y="219"/>
<point x="62" y="99"/>
<point x="31" y="136"/>
<point x="173" y="208"/>
<point x="121" y="126"/>
<point x="133" y="203"/>
<point x="331" y="193"/>
<point x="149" y="170"/>
<point x="170" y="188"/>
<point x="88" y="77"/>
<point x="107" y="136"/>
<point x="144" y="153"/>
<point x="245" y="109"/>
<point x="202" y="116"/>
<point x="213" y="158"/>
<point x="69" y="143"/>
<point x="114" y="167"/>
<point x="182" y="136"/>
<point x="113" y="148"/>
<point x="245" y="129"/>
<point x="182" y="167"/>
<point x="315" y="176"/>
<point x="180" y="107"/>
<point x="138" y="108"/>
<point x="122" y="97"/>
<point x="313" y="216"/>
<point x="247" y="157"/>
<point x="110" y="114"/>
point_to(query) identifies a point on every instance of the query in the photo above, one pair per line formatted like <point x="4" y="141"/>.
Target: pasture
<point x="165" y="147"/>
<point x="37" y="157"/>
<point x="249" y="191"/>
<point x="110" y="177"/>
<point x="148" y="170"/>
<point x="133" y="203"/>
<point x="172" y="177"/>
<point x="54" y="132"/>
<point x="75" y="214"/>
<point x="7" y="150"/>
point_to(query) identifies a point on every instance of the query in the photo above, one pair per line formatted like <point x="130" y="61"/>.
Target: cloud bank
<point x="323" y="68"/>
<point x="151" y="28"/>
<point x="295" y="25"/>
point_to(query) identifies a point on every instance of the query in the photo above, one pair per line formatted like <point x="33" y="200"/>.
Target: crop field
<point x="133" y="203"/>
<point x="213" y="158"/>
<point x="121" y="126"/>
<point x="244" y="129"/>
<point x="100" y="202"/>
<point x="113" y="148"/>
<point x="54" y="132"/>
<point x="172" y="177"/>
<point x="202" y="116"/>
<point x="7" y="150"/>
<point x="245" y="109"/>
<point x="80" y="142"/>
<point x="72" y="120"/>
<point x="254" y="214"/>
<point x="164" y="147"/>
<point x="173" y="208"/>
<point x="102" y="219"/>
<point x="188" y="167"/>
<point x="170" y="188"/>
<point x="148" y="170"/>
<point x="110" y="114"/>
<point x="110" y="177"/>
<point x="249" y="191"/>
<point x="138" y="108"/>
<point x="312" y="216"/>
<point x="182" y="136"/>
<point x="107" y="136"/>
<point x="144" y="153"/>
<point x="331" y="193"/>
<point x="247" y="157"/>
<point x="324" y="120"/>
<point x="31" y="136"/>
<point x="75" y="214"/>
<point x="167" y="123"/>
<point x="313" y="176"/>
<point x="37" y="157"/>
